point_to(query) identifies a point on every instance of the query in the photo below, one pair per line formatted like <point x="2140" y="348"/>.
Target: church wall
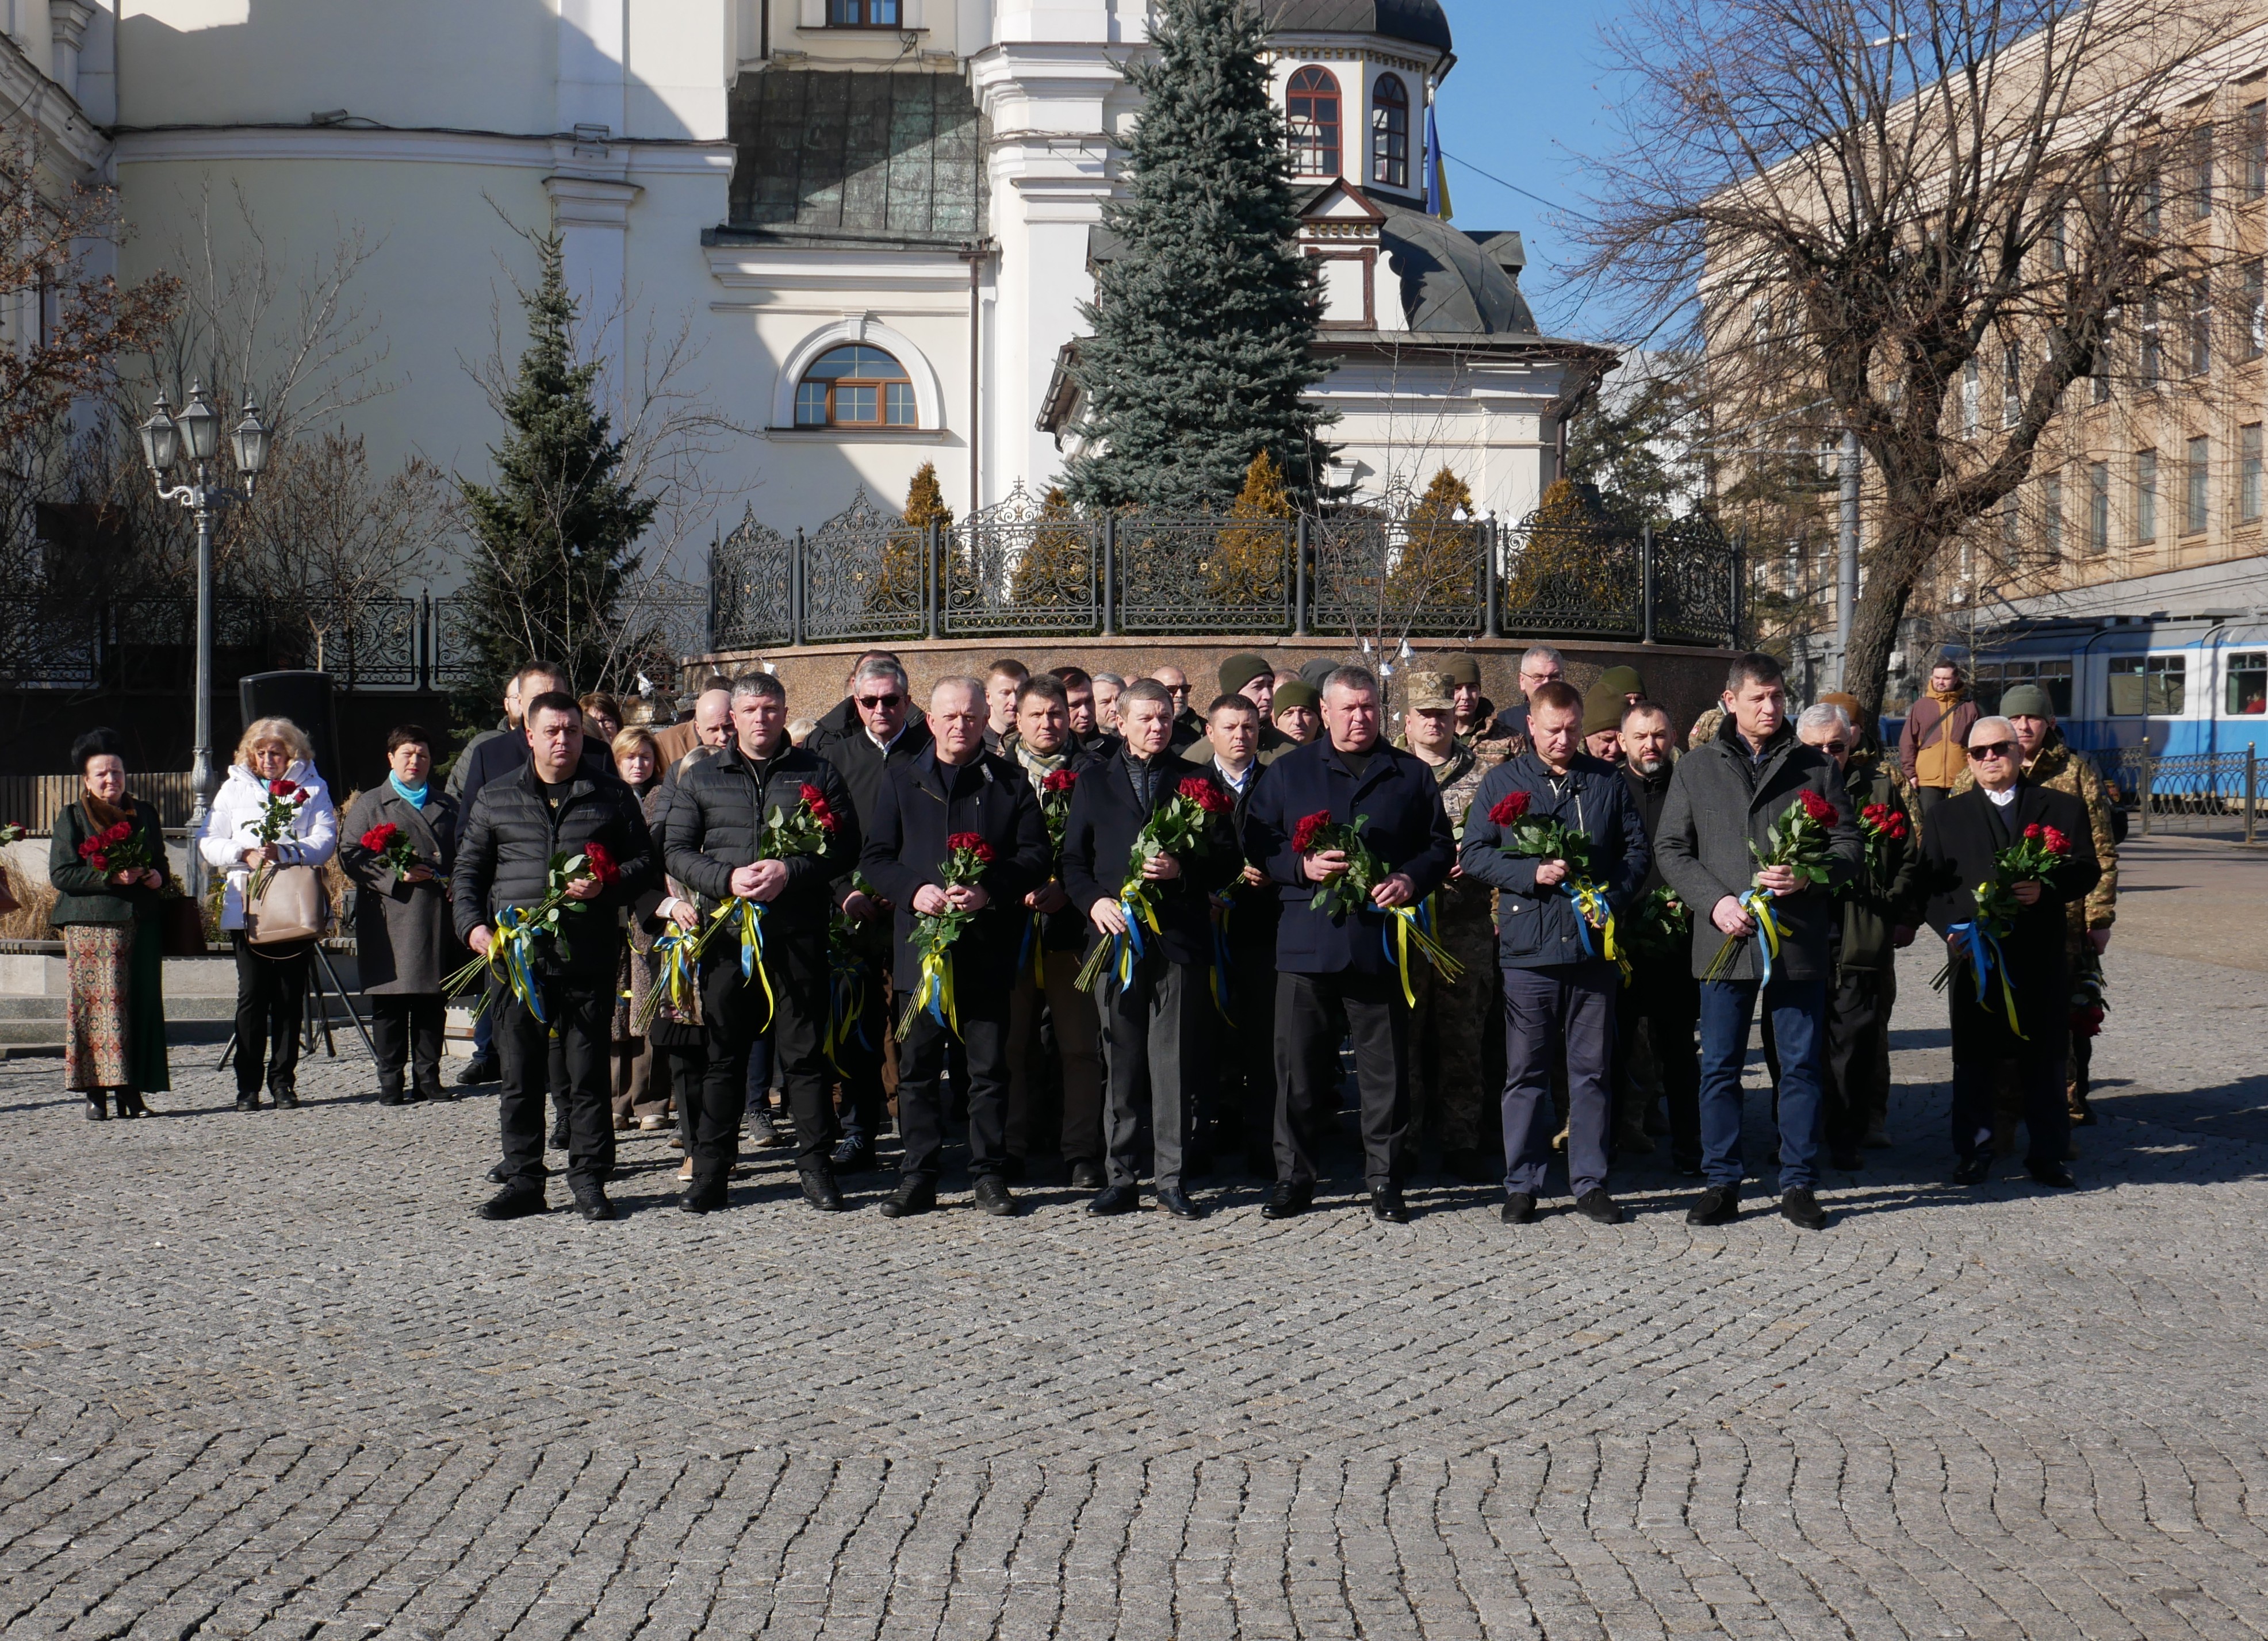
<point x="1402" y="418"/>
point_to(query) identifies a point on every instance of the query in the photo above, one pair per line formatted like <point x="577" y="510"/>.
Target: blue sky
<point x="1525" y="101"/>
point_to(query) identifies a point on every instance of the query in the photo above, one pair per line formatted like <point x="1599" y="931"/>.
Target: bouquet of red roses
<point x="279" y="814"/>
<point x="1883" y="824"/>
<point x="118" y="846"/>
<point x="1056" y="788"/>
<point x="1800" y="840"/>
<point x="1350" y="891"/>
<point x="1180" y="826"/>
<point x="967" y="854"/>
<point x="392" y="846"/>
<point x="2032" y="859"/>
<point x="1528" y="838"/>
<point x="511" y="951"/>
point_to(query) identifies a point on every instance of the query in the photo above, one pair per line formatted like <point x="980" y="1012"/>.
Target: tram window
<point x="2247" y="684"/>
<point x="1984" y="686"/>
<point x="1994" y="679"/>
<point x="2055" y="678"/>
<point x="2155" y="686"/>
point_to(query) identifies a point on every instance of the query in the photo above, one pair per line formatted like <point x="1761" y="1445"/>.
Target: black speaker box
<point x="308" y="699"/>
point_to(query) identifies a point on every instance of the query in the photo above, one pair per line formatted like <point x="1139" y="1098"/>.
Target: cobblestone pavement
<point x="265" y="1376"/>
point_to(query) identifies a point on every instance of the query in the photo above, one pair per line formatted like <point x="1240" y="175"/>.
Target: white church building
<point x="878" y="218"/>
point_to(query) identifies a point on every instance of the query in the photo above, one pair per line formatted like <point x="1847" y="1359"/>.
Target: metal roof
<point x="1420" y="21"/>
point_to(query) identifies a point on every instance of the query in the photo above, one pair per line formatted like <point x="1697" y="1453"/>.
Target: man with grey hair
<point x="1335" y="972"/>
<point x="1542" y="665"/>
<point x="1107" y="687"/>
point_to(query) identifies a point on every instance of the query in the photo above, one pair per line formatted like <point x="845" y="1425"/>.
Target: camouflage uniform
<point x="1450" y="1027"/>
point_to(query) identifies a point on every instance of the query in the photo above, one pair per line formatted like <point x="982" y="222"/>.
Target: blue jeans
<point x="1569" y="1009"/>
<point x="1799" y="1022"/>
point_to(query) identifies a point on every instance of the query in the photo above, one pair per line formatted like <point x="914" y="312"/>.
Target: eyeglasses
<point x="869" y="703"/>
<point x="1993" y="749"/>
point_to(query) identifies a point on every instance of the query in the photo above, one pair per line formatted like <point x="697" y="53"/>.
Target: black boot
<point x="123" y="1100"/>
<point x="98" y="1106"/>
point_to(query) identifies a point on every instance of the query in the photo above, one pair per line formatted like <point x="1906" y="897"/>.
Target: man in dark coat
<point x="1156" y="1018"/>
<point x="1725" y="800"/>
<point x="713" y="838"/>
<point x="1250" y="908"/>
<point x="1960" y="850"/>
<point x="1559" y="985"/>
<point x="885" y="731"/>
<point x="1661" y="991"/>
<point x="956" y="787"/>
<point x="554" y="805"/>
<point x="1336" y="973"/>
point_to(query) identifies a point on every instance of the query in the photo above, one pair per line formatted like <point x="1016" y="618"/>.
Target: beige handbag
<point x="292" y="906"/>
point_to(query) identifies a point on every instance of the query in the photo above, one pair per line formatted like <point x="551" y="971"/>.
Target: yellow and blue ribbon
<point x="933" y="995"/>
<point x="1769" y="931"/>
<point x="677" y="951"/>
<point x="846" y="1007"/>
<point x="1413" y="925"/>
<point x="1592" y="912"/>
<point x="513" y="941"/>
<point x="747" y="919"/>
<point x="1982" y="948"/>
<point x="1223" y="907"/>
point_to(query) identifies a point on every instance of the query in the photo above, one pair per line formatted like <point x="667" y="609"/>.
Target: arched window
<point x="1389" y="132"/>
<point x="1313" y="110"/>
<point x="856" y="386"/>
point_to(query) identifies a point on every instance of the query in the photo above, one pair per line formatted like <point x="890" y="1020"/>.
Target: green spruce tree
<point x="1200" y="358"/>
<point x="556" y="534"/>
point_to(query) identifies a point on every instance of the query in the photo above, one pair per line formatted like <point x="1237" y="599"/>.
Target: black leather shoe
<point x="1601" y="1209"/>
<point x="852" y="1156"/>
<point x="994" y="1197"/>
<point x="392" y="1097"/>
<point x="1175" y="1201"/>
<point x="702" y="1200"/>
<point x="98" y="1107"/>
<point x="1116" y="1199"/>
<point x="1519" y="1209"/>
<point x="435" y="1094"/>
<point x="1288" y="1200"/>
<point x="1688" y="1167"/>
<point x="1719" y="1205"/>
<point x="286" y="1097"/>
<point x="819" y="1189"/>
<point x="1086" y="1176"/>
<point x="1801" y="1209"/>
<point x="1387" y="1206"/>
<point x="1974" y="1170"/>
<point x="597" y="1210"/>
<point x="558" y="1140"/>
<point x="247" y="1103"/>
<point x="912" y="1196"/>
<point x="482" y="1068"/>
<point x="512" y="1202"/>
<point x="2055" y="1173"/>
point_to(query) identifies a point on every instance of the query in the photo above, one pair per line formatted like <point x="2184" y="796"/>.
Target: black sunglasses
<point x="1994" y="749"/>
<point x="869" y="702"/>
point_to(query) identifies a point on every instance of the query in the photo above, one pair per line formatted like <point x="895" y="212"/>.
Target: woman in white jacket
<point x="271" y="982"/>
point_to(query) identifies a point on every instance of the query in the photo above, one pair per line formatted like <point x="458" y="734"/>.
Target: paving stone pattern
<point x="265" y="1376"/>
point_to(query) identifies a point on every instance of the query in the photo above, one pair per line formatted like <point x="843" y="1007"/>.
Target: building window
<point x="1313" y="110"/>
<point x="2154" y="194"/>
<point x="2012" y="384"/>
<point x="856" y="386"/>
<point x="2146" y="496"/>
<point x="2247" y="684"/>
<point x="1389" y="132"/>
<point x="2256" y="311"/>
<point x="2052" y="527"/>
<point x="2256" y="149"/>
<point x="2200" y="325"/>
<point x="862" y="13"/>
<point x="2058" y="248"/>
<point x="2155" y="686"/>
<point x="2154" y="343"/>
<point x="2098" y="508"/>
<point x="2193" y="492"/>
<point x="2248" y="473"/>
<point x="2201" y="170"/>
<point x="2010" y="536"/>
<point x="1970" y="375"/>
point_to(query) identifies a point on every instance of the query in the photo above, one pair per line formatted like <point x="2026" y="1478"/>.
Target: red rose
<point x="1816" y="807"/>
<point x="600" y="862"/>
<point x="1511" y="809"/>
<point x="380" y="837"/>
<point x="971" y="843"/>
<point x="280" y="789"/>
<point x="1058" y="780"/>
<point x="118" y="833"/>
<point x="98" y="860"/>
<point x="2056" y="842"/>
<point x="1206" y="796"/>
<point x="1310" y="828"/>
<point x="815" y="800"/>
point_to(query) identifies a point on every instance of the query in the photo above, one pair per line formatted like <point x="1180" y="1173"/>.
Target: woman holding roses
<point x="400" y="844"/>
<point x="107" y="861"/>
<point x="272" y="810"/>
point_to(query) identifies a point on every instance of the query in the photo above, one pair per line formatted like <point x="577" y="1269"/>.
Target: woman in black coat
<point x="402" y="916"/>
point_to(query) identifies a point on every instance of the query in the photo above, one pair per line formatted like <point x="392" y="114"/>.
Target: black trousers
<point x="1153" y="1053"/>
<point x="1313" y="1012"/>
<point x="271" y="1003"/>
<point x="1666" y="996"/>
<point x="983" y="1041"/>
<point x="406" y="1027"/>
<point x="583" y="1015"/>
<point x="2047" y="1118"/>
<point x="1244" y="1068"/>
<point x="865" y="1110"/>
<point x="734" y="1015"/>
<point x="1856" y="1020"/>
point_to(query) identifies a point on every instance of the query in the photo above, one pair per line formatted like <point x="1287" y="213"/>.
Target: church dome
<point x="1421" y="22"/>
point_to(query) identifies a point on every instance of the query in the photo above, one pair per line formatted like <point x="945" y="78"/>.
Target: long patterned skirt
<point x="114" y="1013"/>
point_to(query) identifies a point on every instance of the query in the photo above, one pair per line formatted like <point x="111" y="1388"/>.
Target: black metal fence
<point x="2202" y="794"/>
<point x="1024" y="567"/>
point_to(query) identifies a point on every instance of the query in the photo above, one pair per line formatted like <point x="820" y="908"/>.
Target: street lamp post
<point x="192" y="440"/>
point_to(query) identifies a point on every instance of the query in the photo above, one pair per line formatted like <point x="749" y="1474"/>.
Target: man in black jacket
<point x="1960" y="845"/>
<point x="554" y="805"/>
<point x="1336" y="970"/>
<point x="1246" y="1050"/>
<point x="713" y="842"/>
<point x="1662" y="992"/>
<point x="956" y="787"/>
<point x="1154" y="1019"/>
<point x="884" y="730"/>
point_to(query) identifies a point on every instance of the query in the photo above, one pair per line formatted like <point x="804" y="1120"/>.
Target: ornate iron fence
<point x="2199" y="793"/>
<point x="149" y="642"/>
<point x="1029" y="568"/>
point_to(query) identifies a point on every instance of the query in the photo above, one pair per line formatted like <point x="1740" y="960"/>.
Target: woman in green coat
<point x="115" y="1016"/>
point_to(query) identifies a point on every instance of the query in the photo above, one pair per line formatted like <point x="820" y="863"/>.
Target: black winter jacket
<point x="1647" y="794"/>
<point x="503" y="858"/>
<point x="861" y="763"/>
<point x="716" y="817"/>
<point x="1105" y="820"/>
<point x="1537" y="928"/>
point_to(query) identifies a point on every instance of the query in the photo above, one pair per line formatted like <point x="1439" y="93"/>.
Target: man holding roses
<point x="1546" y="826"/>
<point x="551" y="810"/>
<point x="1336" y="971"/>
<point x="1760" y="922"/>
<point x="1153" y="906"/>
<point x="769" y="824"/>
<point x="2021" y="1012"/>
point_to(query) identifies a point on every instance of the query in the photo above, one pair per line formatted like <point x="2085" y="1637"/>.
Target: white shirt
<point x="1237" y="783"/>
<point x="2002" y="798"/>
